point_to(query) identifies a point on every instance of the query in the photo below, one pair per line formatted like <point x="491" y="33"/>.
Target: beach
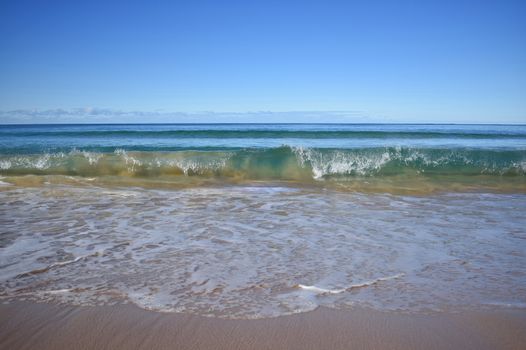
<point x="46" y="326"/>
<point x="259" y="175"/>
<point x="263" y="236"/>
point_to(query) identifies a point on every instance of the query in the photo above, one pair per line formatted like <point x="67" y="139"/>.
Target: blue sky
<point x="395" y="61"/>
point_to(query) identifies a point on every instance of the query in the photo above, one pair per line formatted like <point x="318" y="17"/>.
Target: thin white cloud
<point x="104" y="115"/>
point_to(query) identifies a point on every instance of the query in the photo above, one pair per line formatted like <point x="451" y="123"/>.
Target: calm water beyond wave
<point x="251" y="221"/>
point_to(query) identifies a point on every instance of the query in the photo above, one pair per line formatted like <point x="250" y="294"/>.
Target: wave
<point x="281" y="163"/>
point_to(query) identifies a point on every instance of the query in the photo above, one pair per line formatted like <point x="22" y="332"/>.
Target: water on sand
<point x="244" y="221"/>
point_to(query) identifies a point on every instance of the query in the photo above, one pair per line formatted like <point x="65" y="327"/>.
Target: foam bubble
<point x="233" y="251"/>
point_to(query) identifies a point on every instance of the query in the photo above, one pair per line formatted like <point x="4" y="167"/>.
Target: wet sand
<point x="45" y="326"/>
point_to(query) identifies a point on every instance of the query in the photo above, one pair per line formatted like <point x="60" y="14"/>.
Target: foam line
<point x="319" y="290"/>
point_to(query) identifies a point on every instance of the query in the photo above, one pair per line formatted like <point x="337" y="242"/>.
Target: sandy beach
<point x="249" y="175"/>
<point x="48" y="326"/>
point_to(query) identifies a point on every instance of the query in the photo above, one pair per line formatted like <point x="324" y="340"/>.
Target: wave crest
<point x="282" y="163"/>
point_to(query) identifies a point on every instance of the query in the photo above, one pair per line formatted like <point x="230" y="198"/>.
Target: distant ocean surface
<point x="263" y="220"/>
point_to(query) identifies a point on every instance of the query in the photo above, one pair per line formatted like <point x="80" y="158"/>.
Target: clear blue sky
<point x="424" y="61"/>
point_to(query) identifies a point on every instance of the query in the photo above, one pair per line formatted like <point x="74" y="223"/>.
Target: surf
<point x="281" y="163"/>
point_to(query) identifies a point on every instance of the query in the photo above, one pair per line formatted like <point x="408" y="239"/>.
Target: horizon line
<point x="263" y="123"/>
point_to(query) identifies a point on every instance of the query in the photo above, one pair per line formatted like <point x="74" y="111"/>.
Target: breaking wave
<point x="282" y="163"/>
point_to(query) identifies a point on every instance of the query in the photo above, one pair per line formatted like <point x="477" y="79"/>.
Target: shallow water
<point x="262" y="251"/>
<point x="251" y="221"/>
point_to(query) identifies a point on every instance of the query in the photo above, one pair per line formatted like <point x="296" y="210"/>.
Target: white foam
<point x="123" y="194"/>
<point x="67" y="262"/>
<point x="511" y="304"/>
<point x="340" y="163"/>
<point x="229" y="252"/>
<point x="38" y="293"/>
<point x="370" y="283"/>
<point x="3" y="183"/>
<point x="57" y="291"/>
<point x="92" y="157"/>
<point x="5" y="164"/>
<point x="319" y="290"/>
<point x="130" y="161"/>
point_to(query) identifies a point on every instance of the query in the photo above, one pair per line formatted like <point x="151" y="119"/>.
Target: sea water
<point x="252" y="220"/>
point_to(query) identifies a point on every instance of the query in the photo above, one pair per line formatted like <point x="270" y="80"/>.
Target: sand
<point x="26" y="325"/>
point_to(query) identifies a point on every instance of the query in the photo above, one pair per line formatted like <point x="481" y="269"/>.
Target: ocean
<point x="263" y="220"/>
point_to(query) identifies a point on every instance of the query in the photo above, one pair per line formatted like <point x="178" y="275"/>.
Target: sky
<point x="261" y="61"/>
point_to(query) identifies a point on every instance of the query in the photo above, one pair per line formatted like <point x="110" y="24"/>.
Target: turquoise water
<point x="268" y="152"/>
<point x="175" y="137"/>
